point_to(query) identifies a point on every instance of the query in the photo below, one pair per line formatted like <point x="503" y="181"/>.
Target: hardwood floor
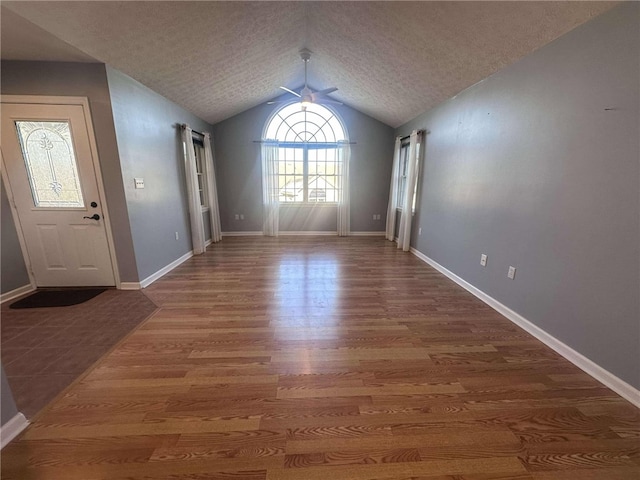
<point x="313" y="358"/>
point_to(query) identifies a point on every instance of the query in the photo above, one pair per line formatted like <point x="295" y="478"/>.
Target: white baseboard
<point x="164" y="270"/>
<point x="160" y="273"/>
<point x="330" y="233"/>
<point x="242" y="234"/>
<point x="299" y="232"/>
<point x="367" y="234"/>
<point x="619" y="386"/>
<point x="130" y="286"/>
<point x="12" y="428"/>
<point x="5" y="297"/>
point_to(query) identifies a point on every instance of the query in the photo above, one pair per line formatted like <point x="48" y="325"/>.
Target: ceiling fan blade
<point x="290" y="91"/>
<point x="326" y="91"/>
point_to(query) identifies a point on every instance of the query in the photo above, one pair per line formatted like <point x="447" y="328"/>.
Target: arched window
<point x="308" y="158"/>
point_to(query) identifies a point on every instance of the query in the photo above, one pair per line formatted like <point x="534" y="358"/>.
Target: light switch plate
<point x="139" y="182"/>
<point x="511" y="273"/>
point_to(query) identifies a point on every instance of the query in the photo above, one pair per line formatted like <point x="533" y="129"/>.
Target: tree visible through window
<point x="308" y="170"/>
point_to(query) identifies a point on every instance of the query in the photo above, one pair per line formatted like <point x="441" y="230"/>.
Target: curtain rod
<point x="184" y="125"/>
<point x="309" y="143"/>
<point x="407" y="136"/>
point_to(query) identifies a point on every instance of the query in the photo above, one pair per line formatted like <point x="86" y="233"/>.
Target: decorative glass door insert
<point x="51" y="164"/>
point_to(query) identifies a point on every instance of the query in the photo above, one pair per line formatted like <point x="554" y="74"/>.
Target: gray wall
<point x="150" y="147"/>
<point x="89" y="80"/>
<point x="529" y="168"/>
<point x="14" y="273"/>
<point x="240" y="183"/>
<point x="8" y="408"/>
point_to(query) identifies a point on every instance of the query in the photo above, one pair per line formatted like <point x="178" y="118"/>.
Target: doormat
<point x="57" y="298"/>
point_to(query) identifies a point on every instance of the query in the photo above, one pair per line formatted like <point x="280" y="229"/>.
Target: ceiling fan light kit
<point x="306" y="95"/>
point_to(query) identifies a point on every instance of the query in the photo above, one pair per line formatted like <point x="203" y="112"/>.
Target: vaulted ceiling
<point x="391" y="60"/>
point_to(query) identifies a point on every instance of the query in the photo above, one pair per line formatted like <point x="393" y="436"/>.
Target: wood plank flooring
<point x="313" y="358"/>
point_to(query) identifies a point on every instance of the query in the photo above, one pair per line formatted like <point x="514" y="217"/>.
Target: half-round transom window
<point x="309" y="164"/>
<point x="315" y="124"/>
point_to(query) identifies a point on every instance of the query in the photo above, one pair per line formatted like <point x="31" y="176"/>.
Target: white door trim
<point x="84" y="103"/>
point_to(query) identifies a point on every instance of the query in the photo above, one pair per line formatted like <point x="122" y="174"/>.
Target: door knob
<point x="95" y="216"/>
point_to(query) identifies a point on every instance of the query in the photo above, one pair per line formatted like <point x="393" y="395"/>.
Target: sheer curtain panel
<point x="344" y="204"/>
<point x="270" y="190"/>
<point x="212" y="190"/>
<point x="406" y="218"/>
<point x="191" y="174"/>
<point x="393" y="192"/>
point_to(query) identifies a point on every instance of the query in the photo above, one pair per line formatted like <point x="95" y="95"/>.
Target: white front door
<point x="50" y="169"/>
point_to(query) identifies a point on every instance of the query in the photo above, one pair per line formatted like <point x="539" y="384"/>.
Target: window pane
<point x="402" y="177"/>
<point x="287" y="169"/>
<point x="316" y="124"/>
<point x="312" y="169"/>
<point x="299" y="132"/>
<point x="336" y="130"/>
<point x="51" y="164"/>
<point x="323" y="181"/>
<point x="313" y="162"/>
<point x="290" y="161"/>
<point x="291" y="188"/>
<point x="202" y="179"/>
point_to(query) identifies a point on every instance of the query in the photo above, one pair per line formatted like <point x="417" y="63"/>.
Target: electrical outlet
<point x="511" y="273"/>
<point x="420" y="231"/>
<point x="237" y="217"/>
<point x="374" y="216"/>
<point x="177" y="236"/>
<point x="242" y="216"/>
<point x="483" y="260"/>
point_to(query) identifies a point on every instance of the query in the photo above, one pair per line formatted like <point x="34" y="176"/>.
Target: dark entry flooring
<point x="45" y="349"/>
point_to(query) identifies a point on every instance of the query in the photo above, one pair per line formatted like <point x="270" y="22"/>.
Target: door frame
<point x="60" y="100"/>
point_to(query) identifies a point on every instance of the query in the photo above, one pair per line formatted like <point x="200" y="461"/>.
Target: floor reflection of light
<point x="307" y="298"/>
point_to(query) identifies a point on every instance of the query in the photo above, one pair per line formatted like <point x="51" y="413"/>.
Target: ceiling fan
<point x="306" y="95"/>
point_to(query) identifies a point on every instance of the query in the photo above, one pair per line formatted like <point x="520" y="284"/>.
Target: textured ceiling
<point x="391" y="60"/>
